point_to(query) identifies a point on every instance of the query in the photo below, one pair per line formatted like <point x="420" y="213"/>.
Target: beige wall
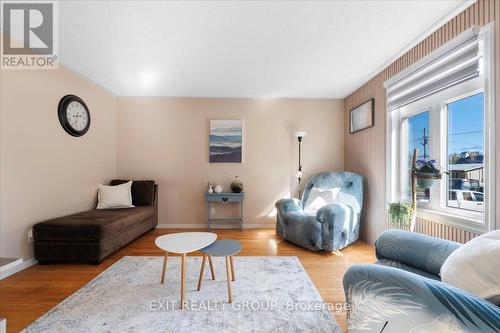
<point x="167" y="139"/>
<point x="365" y="151"/>
<point x="45" y="172"/>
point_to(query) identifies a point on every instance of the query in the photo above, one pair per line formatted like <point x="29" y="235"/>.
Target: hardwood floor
<point x="29" y="294"/>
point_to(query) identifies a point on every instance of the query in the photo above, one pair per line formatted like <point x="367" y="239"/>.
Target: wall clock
<point x="74" y="115"/>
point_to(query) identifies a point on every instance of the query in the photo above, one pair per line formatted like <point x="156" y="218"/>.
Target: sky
<point x="465" y="126"/>
<point x="416" y="126"/>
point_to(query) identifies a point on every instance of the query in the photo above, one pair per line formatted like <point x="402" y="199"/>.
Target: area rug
<point x="270" y="294"/>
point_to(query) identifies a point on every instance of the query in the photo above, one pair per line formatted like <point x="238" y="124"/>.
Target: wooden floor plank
<point x="29" y="294"/>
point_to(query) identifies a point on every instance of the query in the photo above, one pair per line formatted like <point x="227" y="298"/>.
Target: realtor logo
<point x="29" y="39"/>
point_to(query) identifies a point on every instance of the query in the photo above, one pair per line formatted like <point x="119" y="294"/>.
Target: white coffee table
<point x="183" y="243"/>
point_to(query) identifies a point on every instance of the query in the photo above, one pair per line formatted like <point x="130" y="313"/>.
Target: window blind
<point x="453" y="63"/>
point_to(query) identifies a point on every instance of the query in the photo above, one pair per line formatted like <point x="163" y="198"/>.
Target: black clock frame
<point x="61" y="112"/>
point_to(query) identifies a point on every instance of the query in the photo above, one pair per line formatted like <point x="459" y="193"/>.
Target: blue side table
<point x="221" y="248"/>
<point x="225" y="197"/>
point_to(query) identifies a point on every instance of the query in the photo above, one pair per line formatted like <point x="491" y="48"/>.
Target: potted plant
<point x="402" y="215"/>
<point x="426" y="172"/>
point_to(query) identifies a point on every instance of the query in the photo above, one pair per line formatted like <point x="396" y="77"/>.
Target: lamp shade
<point x="300" y="134"/>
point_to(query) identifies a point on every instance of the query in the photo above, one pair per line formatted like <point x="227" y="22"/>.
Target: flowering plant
<point x="429" y="166"/>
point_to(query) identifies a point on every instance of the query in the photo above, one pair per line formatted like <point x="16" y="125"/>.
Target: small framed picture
<point x="362" y="116"/>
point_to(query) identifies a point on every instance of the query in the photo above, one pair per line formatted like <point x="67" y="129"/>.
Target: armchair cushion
<point x="319" y="197"/>
<point x="419" y="251"/>
<point x="349" y="183"/>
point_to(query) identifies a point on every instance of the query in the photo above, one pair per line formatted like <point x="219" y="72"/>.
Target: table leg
<point x="202" y="271"/>
<point x="228" y="272"/>
<point x="208" y="214"/>
<point x="232" y="267"/>
<point x="183" y="277"/>
<point x="211" y="266"/>
<point x="164" y="270"/>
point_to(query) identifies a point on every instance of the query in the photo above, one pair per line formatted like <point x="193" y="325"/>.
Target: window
<point x="444" y="107"/>
<point x="465" y="144"/>
<point x="447" y="126"/>
<point x="418" y="137"/>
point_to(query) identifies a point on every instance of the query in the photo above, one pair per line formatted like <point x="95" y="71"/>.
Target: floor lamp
<point x="299" y="135"/>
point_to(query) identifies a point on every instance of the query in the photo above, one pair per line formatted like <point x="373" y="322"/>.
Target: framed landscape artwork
<point x="226" y="141"/>
<point x="362" y="117"/>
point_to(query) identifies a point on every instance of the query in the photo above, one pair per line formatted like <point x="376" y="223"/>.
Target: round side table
<point x="221" y="248"/>
<point x="183" y="243"/>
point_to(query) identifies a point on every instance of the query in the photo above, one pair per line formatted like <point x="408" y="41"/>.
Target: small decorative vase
<point x="426" y="179"/>
<point x="218" y="188"/>
<point x="237" y="185"/>
<point x="210" y="189"/>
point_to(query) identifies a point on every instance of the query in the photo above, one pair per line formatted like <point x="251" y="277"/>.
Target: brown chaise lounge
<point x="93" y="235"/>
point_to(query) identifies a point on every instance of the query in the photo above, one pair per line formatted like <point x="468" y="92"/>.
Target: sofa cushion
<point x="474" y="267"/>
<point x="118" y="196"/>
<point x="93" y="225"/>
<point x="143" y="191"/>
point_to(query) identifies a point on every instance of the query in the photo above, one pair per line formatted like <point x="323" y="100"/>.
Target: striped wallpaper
<point x="365" y="151"/>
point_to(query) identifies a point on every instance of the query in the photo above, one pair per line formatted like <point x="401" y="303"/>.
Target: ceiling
<point x="240" y="49"/>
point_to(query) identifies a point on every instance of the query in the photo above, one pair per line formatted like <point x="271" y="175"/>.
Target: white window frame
<point x="397" y="152"/>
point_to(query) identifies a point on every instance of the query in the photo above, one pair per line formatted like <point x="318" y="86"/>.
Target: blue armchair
<point x="335" y="225"/>
<point x="402" y="292"/>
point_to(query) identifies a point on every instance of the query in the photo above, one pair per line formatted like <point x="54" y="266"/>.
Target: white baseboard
<point x="11" y="264"/>
<point x="214" y="226"/>
<point x="17" y="268"/>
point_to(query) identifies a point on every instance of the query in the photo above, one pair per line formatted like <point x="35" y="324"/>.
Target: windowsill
<point x="466" y="223"/>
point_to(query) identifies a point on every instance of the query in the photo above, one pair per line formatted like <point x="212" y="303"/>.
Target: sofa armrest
<point x="287" y="205"/>
<point x="417" y="250"/>
<point x="387" y="299"/>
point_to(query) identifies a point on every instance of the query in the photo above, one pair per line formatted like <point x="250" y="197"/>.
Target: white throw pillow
<point x="475" y="267"/>
<point x="319" y="197"/>
<point x="118" y="196"/>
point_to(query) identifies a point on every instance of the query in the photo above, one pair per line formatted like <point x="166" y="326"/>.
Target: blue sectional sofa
<point x="402" y="291"/>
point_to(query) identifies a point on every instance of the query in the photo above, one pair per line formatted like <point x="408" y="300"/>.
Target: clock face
<point x="77" y="116"/>
<point x="74" y="115"/>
